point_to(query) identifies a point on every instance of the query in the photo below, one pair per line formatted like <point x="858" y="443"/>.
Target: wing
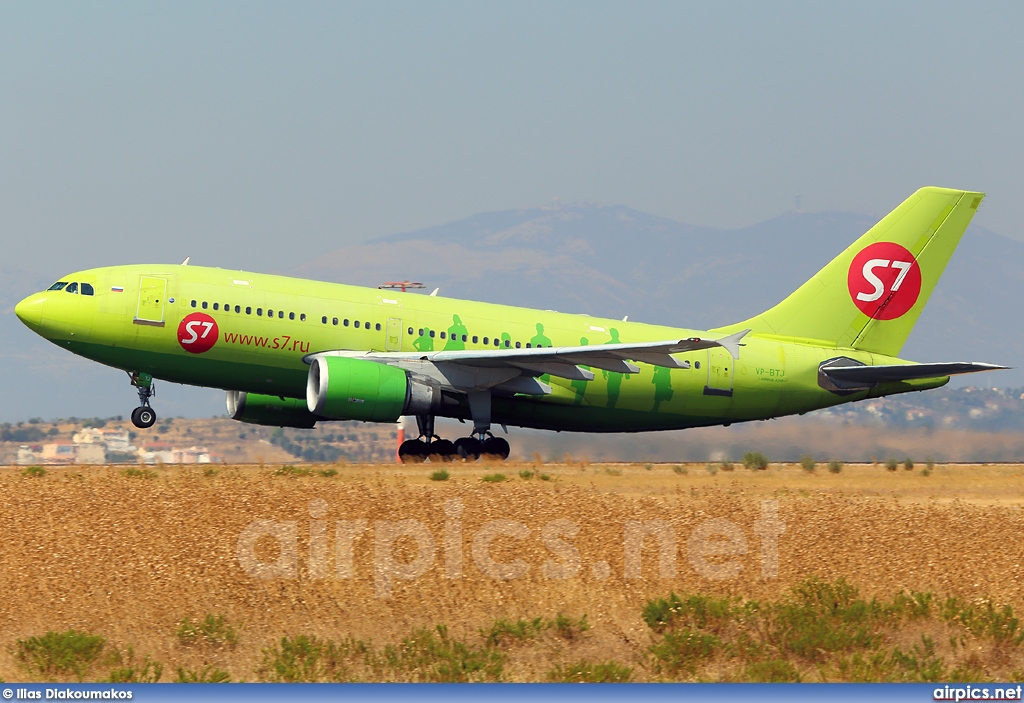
<point x="515" y="370"/>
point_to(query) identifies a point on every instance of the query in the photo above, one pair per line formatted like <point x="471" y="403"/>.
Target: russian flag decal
<point x="117" y="289"/>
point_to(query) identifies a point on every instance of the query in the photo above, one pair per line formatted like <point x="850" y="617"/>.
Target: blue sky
<point x="256" y="135"/>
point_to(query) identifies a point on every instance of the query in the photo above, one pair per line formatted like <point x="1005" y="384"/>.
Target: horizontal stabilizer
<point x="867" y="375"/>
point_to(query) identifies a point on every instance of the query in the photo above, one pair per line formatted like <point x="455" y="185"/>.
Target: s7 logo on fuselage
<point x="197" y="333"/>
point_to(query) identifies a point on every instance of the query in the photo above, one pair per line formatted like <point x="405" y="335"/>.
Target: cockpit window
<point x="72" y="288"/>
<point x="87" y="289"/>
<point x="58" y="285"/>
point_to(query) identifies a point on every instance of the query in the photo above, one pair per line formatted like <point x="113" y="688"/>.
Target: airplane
<point x="292" y="352"/>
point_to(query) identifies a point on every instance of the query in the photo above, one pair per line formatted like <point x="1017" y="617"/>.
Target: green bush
<point x="59" y="653"/>
<point x="441" y="475"/>
<point x="308" y="659"/>
<point x="130" y="671"/>
<point x="771" y="671"/>
<point x="892" y="465"/>
<point x="289" y="470"/>
<point x="585" y="672"/>
<point x="433" y="656"/>
<point x="682" y="470"/>
<point x="208" y="674"/>
<point x="211" y="631"/>
<point x="507" y="631"/>
<point x="526" y="475"/>
<point x="34" y="471"/>
<point x="493" y="478"/>
<point x="908" y="464"/>
<point x="835" y="467"/>
<point x="132" y="472"/>
<point x="681" y="652"/>
<point x="807" y="463"/>
<point x="327" y="473"/>
<point x="755" y="461"/>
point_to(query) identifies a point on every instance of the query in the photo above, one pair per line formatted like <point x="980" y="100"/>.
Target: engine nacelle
<point x="341" y="388"/>
<point x="259" y="409"/>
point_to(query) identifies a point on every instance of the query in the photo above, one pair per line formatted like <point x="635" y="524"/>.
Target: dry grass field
<point x="141" y="556"/>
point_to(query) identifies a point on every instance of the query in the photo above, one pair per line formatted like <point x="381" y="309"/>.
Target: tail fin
<point x="870" y="296"/>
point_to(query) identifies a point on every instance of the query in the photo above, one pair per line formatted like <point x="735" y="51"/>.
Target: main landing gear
<point x="481" y="443"/>
<point x="143" y="416"/>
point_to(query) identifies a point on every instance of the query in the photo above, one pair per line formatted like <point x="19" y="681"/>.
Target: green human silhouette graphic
<point x="579" y="386"/>
<point x="424" y="342"/>
<point x="539" y="340"/>
<point x="455" y="334"/>
<point x="662" y="381"/>
<point x="614" y="377"/>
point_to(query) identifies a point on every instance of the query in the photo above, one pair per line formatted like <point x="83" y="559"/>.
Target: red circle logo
<point x="197" y="333"/>
<point x="884" y="280"/>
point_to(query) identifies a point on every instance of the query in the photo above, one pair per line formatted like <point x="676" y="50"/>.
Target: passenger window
<point x="420" y="332"/>
<point x="475" y="338"/>
<point x="58" y="285"/>
<point x="215" y="306"/>
<point x="335" y="322"/>
<point x="497" y="342"/>
<point x="377" y="327"/>
<point x="463" y="338"/>
<point x="508" y="343"/>
<point x="357" y="324"/>
<point x="270" y="313"/>
<point x="442" y="335"/>
<point x="238" y="308"/>
<point x="204" y="305"/>
<point x="487" y="340"/>
<point x="87" y="289"/>
<point x="345" y="322"/>
<point x="193" y="303"/>
<point x="248" y="310"/>
<point x="72" y="288"/>
<point x="291" y="316"/>
<point x="227" y="307"/>
<point x="280" y="314"/>
<point x="366" y="325"/>
<point x="527" y="345"/>
<point x="410" y="330"/>
<point x="324" y="320"/>
<point x="431" y="334"/>
<point x="259" y="312"/>
<point x="302" y="317"/>
<point x="696" y="364"/>
<point x="518" y="345"/>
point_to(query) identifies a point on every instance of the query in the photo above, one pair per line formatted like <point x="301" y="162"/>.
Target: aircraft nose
<point x="30" y="310"/>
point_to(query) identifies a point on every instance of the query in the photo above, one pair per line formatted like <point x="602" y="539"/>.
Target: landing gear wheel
<point x="143" y="417"/>
<point x="469" y="448"/>
<point x="442" y="450"/>
<point x="413" y="451"/>
<point x="496" y="447"/>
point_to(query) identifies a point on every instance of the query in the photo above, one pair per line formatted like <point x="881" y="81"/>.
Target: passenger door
<point x="720" y="370"/>
<point x="393" y="342"/>
<point x="152" y="296"/>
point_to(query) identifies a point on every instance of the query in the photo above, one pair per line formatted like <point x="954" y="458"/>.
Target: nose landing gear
<point x="143" y="416"/>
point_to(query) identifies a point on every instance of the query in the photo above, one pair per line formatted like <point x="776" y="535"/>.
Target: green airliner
<point x="292" y="352"/>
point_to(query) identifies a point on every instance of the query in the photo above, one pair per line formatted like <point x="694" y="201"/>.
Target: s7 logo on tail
<point x="198" y="333"/>
<point x="884" y="280"/>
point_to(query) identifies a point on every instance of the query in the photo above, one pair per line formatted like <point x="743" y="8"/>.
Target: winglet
<point x="185" y="262"/>
<point x="732" y="342"/>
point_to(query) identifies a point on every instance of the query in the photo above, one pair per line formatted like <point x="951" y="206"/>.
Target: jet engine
<point x="341" y="388"/>
<point x="273" y="410"/>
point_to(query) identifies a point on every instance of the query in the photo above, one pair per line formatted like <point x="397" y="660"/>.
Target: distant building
<point x="162" y="453"/>
<point x="59" y="453"/>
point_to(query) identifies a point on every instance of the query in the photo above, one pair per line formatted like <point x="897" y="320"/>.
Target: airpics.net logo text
<point x="712" y="547"/>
